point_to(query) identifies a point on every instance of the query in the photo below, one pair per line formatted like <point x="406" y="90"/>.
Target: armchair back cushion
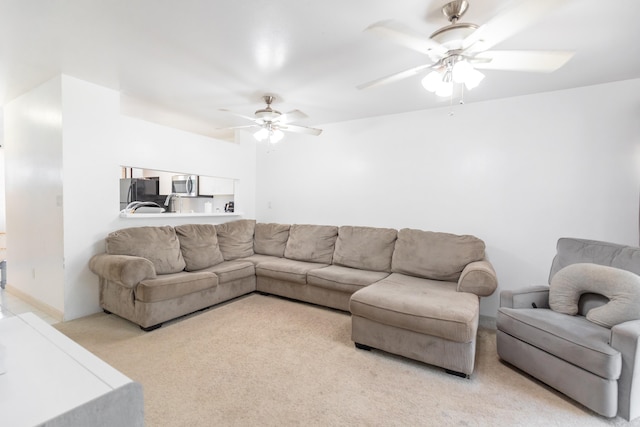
<point x="271" y="239"/>
<point x="621" y="287"/>
<point x="199" y="246"/>
<point x="572" y="251"/>
<point x="159" y="245"/>
<point x="312" y="243"/>
<point x="438" y="256"/>
<point x="235" y="238"/>
<point x="365" y="248"/>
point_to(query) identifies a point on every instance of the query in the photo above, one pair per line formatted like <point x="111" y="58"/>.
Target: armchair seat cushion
<point x="419" y="305"/>
<point x="175" y="285"/>
<point x="570" y="338"/>
<point x="343" y="279"/>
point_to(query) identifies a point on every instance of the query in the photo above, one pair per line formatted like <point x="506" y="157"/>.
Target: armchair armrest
<point x="478" y="278"/>
<point x="625" y="337"/>
<point x="526" y="297"/>
<point x="123" y="269"/>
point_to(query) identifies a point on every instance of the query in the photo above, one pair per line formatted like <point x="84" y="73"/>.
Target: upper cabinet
<point x="211" y="186"/>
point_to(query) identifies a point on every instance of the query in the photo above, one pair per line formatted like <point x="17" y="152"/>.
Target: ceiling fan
<point x="271" y="124"/>
<point x="458" y="50"/>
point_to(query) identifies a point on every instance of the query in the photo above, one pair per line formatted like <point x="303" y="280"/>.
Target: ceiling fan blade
<point x="522" y="60"/>
<point x="395" y="77"/>
<point x="301" y="129"/>
<point x="240" y="127"/>
<point x="292" y="116"/>
<point x="508" y="23"/>
<point x="408" y="37"/>
<point x="253" y="119"/>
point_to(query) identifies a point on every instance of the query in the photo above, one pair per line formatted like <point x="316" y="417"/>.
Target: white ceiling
<point x="194" y="57"/>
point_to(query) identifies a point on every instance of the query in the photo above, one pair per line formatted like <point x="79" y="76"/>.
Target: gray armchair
<point x="581" y="335"/>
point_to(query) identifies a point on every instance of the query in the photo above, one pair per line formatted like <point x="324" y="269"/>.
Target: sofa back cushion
<point x="199" y="246"/>
<point x="235" y="238"/>
<point x="366" y="248"/>
<point x="271" y="239"/>
<point x="438" y="256"/>
<point x="312" y="243"/>
<point x="159" y="245"/>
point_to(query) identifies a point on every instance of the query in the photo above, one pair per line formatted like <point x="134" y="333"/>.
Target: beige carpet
<point x="263" y="360"/>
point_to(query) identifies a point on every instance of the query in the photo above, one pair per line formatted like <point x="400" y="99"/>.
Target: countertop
<point x="179" y="215"/>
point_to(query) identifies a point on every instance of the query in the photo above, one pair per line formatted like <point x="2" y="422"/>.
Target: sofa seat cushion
<point x="258" y="258"/>
<point x="159" y="245"/>
<point x="228" y="271"/>
<point x="366" y="248"/>
<point x="343" y="279"/>
<point x="570" y="338"/>
<point x="199" y="245"/>
<point x="170" y="286"/>
<point x="426" y="306"/>
<point x="287" y="269"/>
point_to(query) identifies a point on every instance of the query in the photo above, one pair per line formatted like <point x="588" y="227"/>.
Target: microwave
<point x="184" y="185"/>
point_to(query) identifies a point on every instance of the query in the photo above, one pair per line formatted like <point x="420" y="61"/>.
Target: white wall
<point x="94" y="142"/>
<point x="518" y="173"/>
<point x="33" y="190"/>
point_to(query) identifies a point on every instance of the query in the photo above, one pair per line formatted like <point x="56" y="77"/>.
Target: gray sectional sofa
<point x="411" y="292"/>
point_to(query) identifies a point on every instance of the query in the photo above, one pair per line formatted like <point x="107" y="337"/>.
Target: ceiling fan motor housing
<point x="453" y="35"/>
<point x="268" y="114"/>
<point x="455" y="9"/>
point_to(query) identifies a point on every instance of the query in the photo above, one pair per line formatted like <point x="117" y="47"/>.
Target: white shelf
<point x="179" y="215"/>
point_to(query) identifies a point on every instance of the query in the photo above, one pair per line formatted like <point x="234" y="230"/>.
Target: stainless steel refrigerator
<point x="139" y="190"/>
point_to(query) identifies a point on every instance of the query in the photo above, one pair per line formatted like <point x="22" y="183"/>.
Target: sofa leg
<point x="363" y="347"/>
<point x="456" y="373"/>
<point x="151" y="328"/>
<point x="106" y="311"/>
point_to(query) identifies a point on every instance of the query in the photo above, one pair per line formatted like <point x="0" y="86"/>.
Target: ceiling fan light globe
<point x="444" y="89"/>
<point x="276" y="136"/>
<point x="461" y="71"/>
<point x="473" y="79"/>
<point x="261" y="135"/>
<point x="431" y="81"/>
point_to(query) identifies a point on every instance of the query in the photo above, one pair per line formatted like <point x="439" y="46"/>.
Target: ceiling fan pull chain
<point x="451" y="103"/>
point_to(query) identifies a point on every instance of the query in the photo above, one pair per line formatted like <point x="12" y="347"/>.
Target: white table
<point x="50" y="378"/>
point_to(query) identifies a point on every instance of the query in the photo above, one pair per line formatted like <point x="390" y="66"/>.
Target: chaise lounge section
<point x="410" y="292"/>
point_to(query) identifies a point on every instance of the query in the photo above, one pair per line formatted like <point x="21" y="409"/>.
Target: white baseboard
<point x="45" y="308"/>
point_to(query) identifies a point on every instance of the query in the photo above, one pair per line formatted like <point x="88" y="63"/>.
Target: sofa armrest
<point x="625" y="337"/>
<point x="529" y="297"/>
<point x="123" y="269"/>
<point x="478" y="278"/>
